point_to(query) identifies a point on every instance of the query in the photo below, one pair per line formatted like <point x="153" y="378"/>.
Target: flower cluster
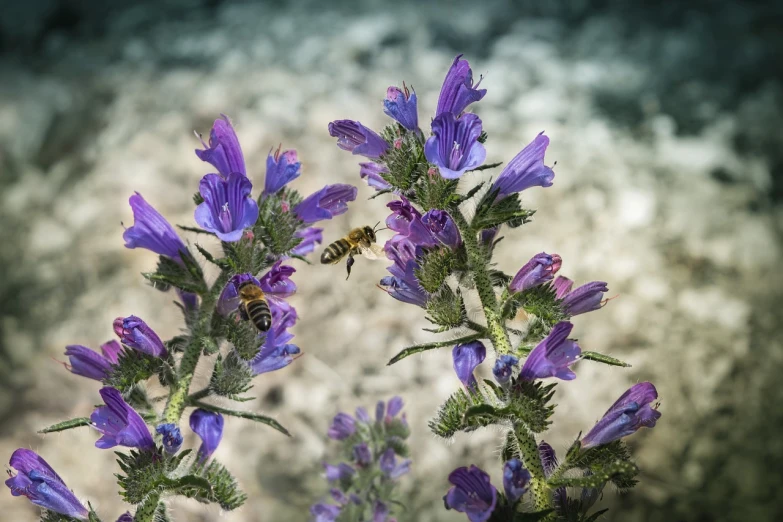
<point x="362" y="487"/>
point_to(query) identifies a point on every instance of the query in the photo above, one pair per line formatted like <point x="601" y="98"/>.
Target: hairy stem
<point x="146" y="510"/>
<point x="531" y="458"/>
<point x="179" y="393"/>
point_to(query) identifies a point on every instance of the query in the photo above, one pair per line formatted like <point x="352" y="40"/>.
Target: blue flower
<point x="223" y="151"/>
<point x="342" y="427"/>
<point x="629" y="413"/>
<point x="281" y="169"/>
<point x="553" y="356"/>
<point x="325" y="512"/>
<point x="150" y="230"/>
<point x="472" y="494"/>
<point x="119" y="423"/>
<point x="454" y="146"/>
<point x="442" y="227"/>
<point x="467" y="357"/>
<point x="586" y="298"/>
<point x="37" y="481"/>
<point x="540" y="269"/>
<point x="311" y="237"/>
<point x="341" y="472"/>
<point x="401" y="105"/>
<point x="227" y="209"/>
<point x="407" y="222"/>
<point x="172" y="437"/>
<point x="330" y="201"/>
<point x="504" y="366"/>
<point x="371" y="173"/>
<point x="276" y="285"/>
<point x="276" y="352"/>
<point x="379" y="511"/>
<point x="389" y="466"/>
<point x="362" y="455"/>
<point x="516" y="479"/>
<point x="458" y="90"/>
<point x="358" y="139"/>
<point x="208" y="426"/>
<point x="89" y="363"/>
<point x="135" y="333"/>
<point x="526" y="170"/>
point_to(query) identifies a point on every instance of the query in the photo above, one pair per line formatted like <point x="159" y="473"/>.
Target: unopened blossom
<point x="526" y="170"/>
<point x="442" y="227"/>
<point x="632" y="411"/>
<point x="586" y="298"/>
<point x="223" y="151"/>
<point x="467" y="357"/>
<point x="393" y="408"/>
<point x="516" y="479"/>
<point x="330" y="201"/>
<point x="454" y="146"/>
<point x="227" y="209"/>
<point x="323" y="512"/>
<point x="472" y="494"/>
<point x="380" y="512"/>
<point x="91" y="364"/>
<point x="342" y="427"/>
<point x="553" y="356"/>
<point x="276" y="352"/>
<point x="125" y="517"/>
<point x="358" y="139"/>
<point x="371" y="172"/>
<point x="341" y="472"/>
<point x="119" y="423"/>
<point x="504" y="367"/>
<point x="562" y="286"/>
<point x="281" y="168"/>
<point x="208" y="426"/>
<point x="37" y="481"/>
<point x="150" y="230"/>
<point x="390" y="467"/>
<point x="362" y="455"/>
<point x="311" y="237"/>
<point x="458" y="90"/>
<point x="172" y="437"/>
<point x="549" y="463"/>
<point x="400" y="104"/>
<point x="136" y="334"/>
<point x="539" y="270"/>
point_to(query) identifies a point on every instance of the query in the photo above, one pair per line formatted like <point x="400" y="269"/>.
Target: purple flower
<point x="458" y="91"/>
<point x="394" y="407"/>
<point x="487" y="236"/>
<point x="227" y="209"/>
<point x="324" y="512"/>
<point x="549" y="463"/>
<point x="223" y="151"/>
<point x="472" y="494"/>
<point x="407" y="222"/>
<point x="150" y="230"/>
<point x="380" y="411"/>
<point x="342" y="427"/>
<point x="553" y="356"/>
<point x="358" y="139"/>
<point x="526" y="170"/>
<point x="562" y="286"/>
<point x="281" y="169"/>
<point x="539" y="270"/>
<point x="504" y="366"/>
<point x="362" y="415"/>
<point x="134" y="333"/>
<point x="379" y="511"/>
<point x="442" y="227"/>
<point x="276" y="284"/>
<point x="89" y="363"/>
<point x="342" y="472"/>
<point x="631" y="412"/>
<point x="276" y="353"/>
<point x="330" y="201"/>
<point x="208" y="426"/>
<point x="466" y="358"/>
<point x="125" y="517"/>
<point x="311" y="237"/>
<point x="339" y="496"/>
<point x="516" y="479"/>
<point x="454" y="146"/>
<point x="119" y="423"/>
<point x="362" y="455"/>
<point x="401" y="105"/>
<point x="277" y="281"/>
<point x="389" y="466"/>
<point x="37" y="481"/>
<point x="371" y="173"/>
<point x="172" y="437"/>
<point x="403" y="284"/>
<point x="586" y="298"/>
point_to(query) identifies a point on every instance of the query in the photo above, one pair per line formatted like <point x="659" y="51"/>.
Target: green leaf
<point x="132" y="367"/>
<point x="491" y="213"/>
<point x="189" y="485"/>
<point x="533" y="517"/>
<point x="406" y="163"/>
<point x="197" y="198"/>
<point x="434" y="267"/>
<point x="277" y="223"/>
<point x="446" y="308"/>
<point x="224" y="264"/>
<point x="67" y="425"/>
<point x="596" y="515"/>
<point x="418" y="348"/>
<point x="486" y="167"/>
<point x="619" y="470"/>
<point x="224" y="489"/>
<point x="452" y="415"/>
<point x="601" y="458"/>
<point x="231" y="376"/>
<point x="599" y="357"/>
<point x="263" y="419"/>
<point x="529" y="402"/>
<point x="195" y="230"/>
<point x="187" y="276"/>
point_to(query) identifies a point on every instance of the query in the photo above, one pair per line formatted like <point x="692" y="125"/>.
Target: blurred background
<point x="665" y="121"/>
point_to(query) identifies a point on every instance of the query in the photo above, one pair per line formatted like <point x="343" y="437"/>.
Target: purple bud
<point x="400" y="104"/>
<point x="223" y="151"/>
<point x="91" y="364"/>
<point x="504" y="367"/>
<point x="208" y="426"/>
<point x="526" y="170"/>
<point x="539" y="270"/>
<point x="125" y="517"/>
<point x="553" y="356"/>
<point x="442" y="226"/>
<point x="362" y="415"/>
<point x="150" y="230"/>
<point x="342" y="427"/>
<point x="562" y="286"/>
<point x="311" y="237"/>
<point x="324" y="512"/>
<point x="631" y="412"/>
<point x="119" y="423"/>
<point x="227" y="209"/>
<point x="380" y="411"/>
<point x="342" y="472"/>
<point x="394" y="407"/>
<point x="389" y="466"/>
<point x="472" y="494"/>
<point x="586" y="298"/>
<point x="281" y="169"/>
<point x="516" y="479"/>
<point x="330" y="201"/>
<point x="466" y="358"/>
<point x="362" y="455"/>
<point x="339" y="496"/>
<point x="379" y="511"/>
<point x="549" y="463"/>
<point x="371" y="173"/>
<point x="458" y="91"/>
<point x="358" y="139"/>
<point x="172" y="437"/>
<point x="134" y="333"/>
<point x="454" y="145"/>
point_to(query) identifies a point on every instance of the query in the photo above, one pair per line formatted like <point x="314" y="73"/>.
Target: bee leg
<point x="243" y="312"/>
<point x="349" y="264"/>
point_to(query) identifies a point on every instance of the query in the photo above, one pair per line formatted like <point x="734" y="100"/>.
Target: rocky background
<point x="665" y="123"/>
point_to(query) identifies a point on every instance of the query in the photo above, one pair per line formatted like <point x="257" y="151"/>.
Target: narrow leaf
<point x="195" y="229"/>
<point x="263" y="419"/>
<point x="411" y="350"/>
<point x="67" y="425"/>
<point x="486" y="167"/>
<point x="599" y="357"/>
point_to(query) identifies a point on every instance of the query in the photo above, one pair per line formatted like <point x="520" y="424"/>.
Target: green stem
<point x="193" y="397"/>
<point x="179" y="393"/>
<point x="146" y="510"/>
<point x="531" y="458"/>
<point x="477" y="264"/>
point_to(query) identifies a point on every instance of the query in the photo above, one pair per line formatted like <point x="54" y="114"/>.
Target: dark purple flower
<point x="371" y="173"/>
<point x="89" y="363"/>
<point x="227" y="209"/>
<point x="339" y="496"/>
<point x="504" y="367"/>
<point x="342" y="427"/>
<point x="526" y="170"/>
<point x="394" y="407"/>
<point x="472" y="494"/>
<point x="281" y="169"/>
<point x="125" y="517"/>
<point x="311" y="237"/>
<point x="342" y="472"/>
<point x="379" y="511"/>
<point x="631" y="412"/>
<point x="223" y="151"/>
<point x="277" y="281"/>
<point x="362" y="455"/>
<point x="119" y="423"/>
<point x="586" y="298"/>
<point x="380" y="411"/>
<point x="324" y="512"/>
<point x="400" y="104"/>
<point x="562" y="286"/>
<point x="330" y="201"/>
<point x="466" y="358"/>
<point x="208" y="426"/>
<point x="276" y="284"/>
<point x="454" y="146"/>
<point x="553" y="356"/>
<point x="189" y="300"/>
<point x="134" y="333"/>
<point x="358" y="139"/>
<point x="172" y="437"/>
<point x="458" y="90"/>
<point x="406" y="289"/>
<point x="516" y="479"/>
<point x="276" y="352"/>
<point x="487" y="236"/>
<point x="407" y="222"/>
<point x="549" y="463"/>
<point x="389" y="466"/>
<point x="539" y="270"/>
<point x="150" y="230"/>
<point x="37" y="481"/>
<point x="442" y="226"/>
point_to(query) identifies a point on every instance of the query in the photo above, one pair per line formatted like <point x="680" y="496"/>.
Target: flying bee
<point x="253" y="306"/>
<point x="358" y="241"/>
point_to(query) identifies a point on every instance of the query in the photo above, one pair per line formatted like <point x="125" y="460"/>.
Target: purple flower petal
<point x="401" y="105"/>
<point x="394" y="407"/>
<point x="442" y="227"/>
<point x="227" y="209"/>
<point x="150" y="230"/>
<point x="223" y="151"/>
<point x="539" y="270"/>
<point x="371" y="173"/>
<point x="325" y="512"/>
<point x="281" y="169"/>
<point x="586" y="298"/>
<point x="88" y="363"/>
<point x="342" y="427"/>
<point x="277" y="281"/>
<point x="379" y="511"/>
<point x="526" y="170"/>
<point x="466" y="358"/>
<point x="330" y="201"/>
<point x="311" y="237"/>
<point x="454" y="146"/>
<point x="562" y="286"/>
<point x="553" y="356"/>
<point x="472" y="494"/>
<point x="172" y="437"/>
<point x="362" y="455"/>
<point x="458" y="90"/>
<point x="340" y="472"/>
<point x="119" y="423"/>
<point x="388" y="465"/>
<point x="136" y="334"/>
<point x="628" y="414"/>
<point x="358" y="139"/>
<point x="504" y="366"/>
<point x="516" y="479"/>
<point x="208" y="426"/>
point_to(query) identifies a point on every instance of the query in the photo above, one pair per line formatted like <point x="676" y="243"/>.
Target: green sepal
<point x="145" y="472"/>
<point x="132" y="367"/>
<point x="244" y="336"/>
<point x="418" y="348"/>
<point x="187" y="276"/>
<point x="483" y="137"/>
<point x="491" y="213"/>
<point x="277" y="223"/>
<point x="231" y="376"/>
<point x="447" y="308"/>
<point x="67" y="425"/>
<point x="434" y="267"/>
<point x="529" y="401"/>
<point x="406" y="164"/>
<point x="221" y="263"/>
<point x="188" y="485"/>
<point x="198" y="199"/>
<point x="437" y="192"/>
<point x="601" y="459"/>
<point x="177" y="343"/>
<point x="459" y="199"/>
<point x="224" y="489"/>
<point x="263" y="419"/>
<point x="92" y="516"/>
<point x="451" y="416"/>
<point x="595" y="516"/>
<point x="51" y="516"/>
<point x="533" y="517"/>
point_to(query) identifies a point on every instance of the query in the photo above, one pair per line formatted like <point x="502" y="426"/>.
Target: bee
<point x="253" y="306"/>
<point x="358" y="241"/>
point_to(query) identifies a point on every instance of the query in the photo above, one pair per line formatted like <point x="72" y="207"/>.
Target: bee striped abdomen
<point x="335" y="252"/>
<point x="259" y="314"/>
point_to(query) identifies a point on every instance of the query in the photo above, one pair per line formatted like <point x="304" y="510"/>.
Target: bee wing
<point x="372" y="251"/>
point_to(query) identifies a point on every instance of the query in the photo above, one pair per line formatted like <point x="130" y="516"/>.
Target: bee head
<point x="370" y="231"/>
<point x="249" y="290"/>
